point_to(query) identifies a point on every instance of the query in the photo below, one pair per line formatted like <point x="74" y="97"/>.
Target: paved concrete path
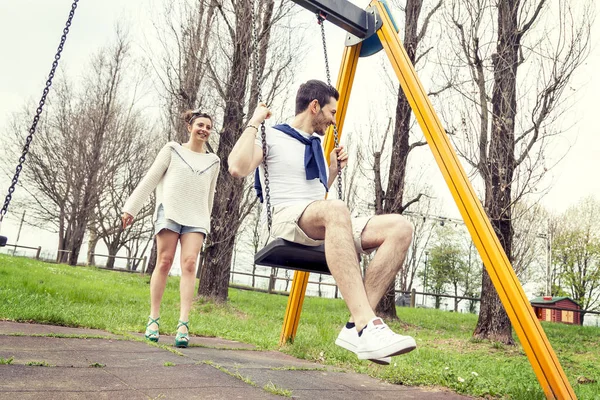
<point x="54" y="362"/>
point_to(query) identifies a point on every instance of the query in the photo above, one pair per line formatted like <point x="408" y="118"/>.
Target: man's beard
<point x="320" y="124"/>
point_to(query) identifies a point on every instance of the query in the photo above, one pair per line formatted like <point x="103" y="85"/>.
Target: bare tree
<point x="472" y="282"/>
<point x="135" y="153"/>
<point x="207" y="53"/>
<point x="576" y="248"/>
<point x="230" y="69"/>
<point x="530" y="224"/>
<point x="183" y="30"/>
<point x="369" y="175"/>
<point x="505" y="121"/>
<point x="68" y="170"/>
<point x="351" y="184"/>
<point x="422" y="236"/>
<point x="248" y="239"/>
<point x="394" y="201"/>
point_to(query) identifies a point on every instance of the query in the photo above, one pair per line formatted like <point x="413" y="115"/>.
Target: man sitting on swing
<point x="298" y="181"/>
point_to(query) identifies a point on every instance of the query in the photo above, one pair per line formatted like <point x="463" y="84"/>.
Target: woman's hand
<point x="127" y="219"/>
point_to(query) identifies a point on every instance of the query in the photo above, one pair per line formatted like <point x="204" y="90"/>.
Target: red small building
<point x="546" y="309"/>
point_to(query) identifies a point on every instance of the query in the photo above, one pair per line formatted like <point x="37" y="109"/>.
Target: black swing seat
<point x="283" y="254"/>
<point x="3" y="240"/>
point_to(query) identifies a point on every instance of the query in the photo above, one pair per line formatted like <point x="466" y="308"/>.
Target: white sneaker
<point x="348" y="339"/>
<point x="377" y="340"/>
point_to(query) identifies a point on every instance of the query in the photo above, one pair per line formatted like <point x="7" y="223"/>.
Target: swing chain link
<point x="36" y="118"/>
<point x="263" y="132"/>
<point x="321" y="19"/>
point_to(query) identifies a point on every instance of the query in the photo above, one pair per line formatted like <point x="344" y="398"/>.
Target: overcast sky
<point x="30" y="31"/>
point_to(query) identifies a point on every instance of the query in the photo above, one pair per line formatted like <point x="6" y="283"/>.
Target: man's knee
<point x="336" y="211"/>
<point x="400" y="227"/>
<point x="320" y="215"/>
<point x="327" y="210"/>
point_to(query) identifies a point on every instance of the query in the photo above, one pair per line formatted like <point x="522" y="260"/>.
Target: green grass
<point x="446" y="354"/>
<point x="235" y="374"/>
<point x="38" y="364"/>
<point x="6" y="361"/>
<point x="279" y="391"/>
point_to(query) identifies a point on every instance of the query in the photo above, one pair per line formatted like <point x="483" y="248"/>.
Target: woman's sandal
<point x="182" y="339"/>
<point x="151" y="334"/>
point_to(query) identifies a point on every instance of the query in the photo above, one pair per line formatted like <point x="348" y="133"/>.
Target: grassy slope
<point x="446" y="356"/>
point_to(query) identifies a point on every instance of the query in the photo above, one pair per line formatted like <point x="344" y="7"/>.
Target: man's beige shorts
<point x="285" y="226"/>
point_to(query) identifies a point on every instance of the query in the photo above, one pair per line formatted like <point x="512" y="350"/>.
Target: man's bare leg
<point x="330" y="220"/>
<point x="391" y="234"/>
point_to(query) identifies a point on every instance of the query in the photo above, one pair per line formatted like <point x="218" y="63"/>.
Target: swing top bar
<point x="344" y="14"/>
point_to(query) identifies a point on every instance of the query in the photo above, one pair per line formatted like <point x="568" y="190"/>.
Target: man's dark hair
<point x="314" y="89"/>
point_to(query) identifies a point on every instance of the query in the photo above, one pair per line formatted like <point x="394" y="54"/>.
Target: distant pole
<point x="548" y="262"/>
<point x="425" y="277"/>
<point x="19" y="233"/>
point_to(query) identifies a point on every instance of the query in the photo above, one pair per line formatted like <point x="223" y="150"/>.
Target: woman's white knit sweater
<point x="185" y="185"/>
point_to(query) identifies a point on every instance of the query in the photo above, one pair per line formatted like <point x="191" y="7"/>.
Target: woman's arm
<point x="140" y="194"/>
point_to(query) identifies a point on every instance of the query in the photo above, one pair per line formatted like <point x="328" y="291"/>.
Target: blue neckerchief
<point x="314" y="162"/>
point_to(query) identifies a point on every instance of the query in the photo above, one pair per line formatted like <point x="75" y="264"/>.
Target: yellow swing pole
<point x="533" y="339"/>
<point x="300" y="281"/>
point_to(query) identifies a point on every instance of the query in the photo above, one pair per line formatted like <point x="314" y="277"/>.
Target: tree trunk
<point x="493" y="322"/>
<point x="152" y="258"/>
<point x="112" y="251"/>
<point x="273" y="280"/>
<point x="113" y="248"/>
<point x="400" y="148"/>
<point x="214" y="277"/>
<point x="92" y="242"/>
<point x="456" y="300"/>
<point x="63" y="256"/>
<point x="201" y="262"/>
<point x="386" y="308"/>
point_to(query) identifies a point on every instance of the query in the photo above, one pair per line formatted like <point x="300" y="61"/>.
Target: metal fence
<point x="143" y="259"/>
<point x="11" y="249"/>
<point x="14" y="247"/>
<point x="403" y="298"/>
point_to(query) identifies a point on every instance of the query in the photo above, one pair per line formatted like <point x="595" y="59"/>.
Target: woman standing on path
<point x="184" y="176"/>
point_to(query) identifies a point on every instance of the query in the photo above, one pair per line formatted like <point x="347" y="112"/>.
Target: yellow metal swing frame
<point x="529" y="331"/>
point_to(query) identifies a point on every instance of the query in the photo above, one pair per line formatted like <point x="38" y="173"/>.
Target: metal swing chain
<point x="320" y="19"/>
<point x="36" y="118"/>
<point x="263" y="133"/>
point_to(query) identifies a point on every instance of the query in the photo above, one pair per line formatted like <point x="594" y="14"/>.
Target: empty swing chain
<point x="320" y="19"/>
<point x="36" y="118"/>
<point x="263" y="133"/>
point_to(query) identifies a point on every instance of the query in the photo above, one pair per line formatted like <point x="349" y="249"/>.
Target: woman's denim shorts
<point x="163" y="223"/>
